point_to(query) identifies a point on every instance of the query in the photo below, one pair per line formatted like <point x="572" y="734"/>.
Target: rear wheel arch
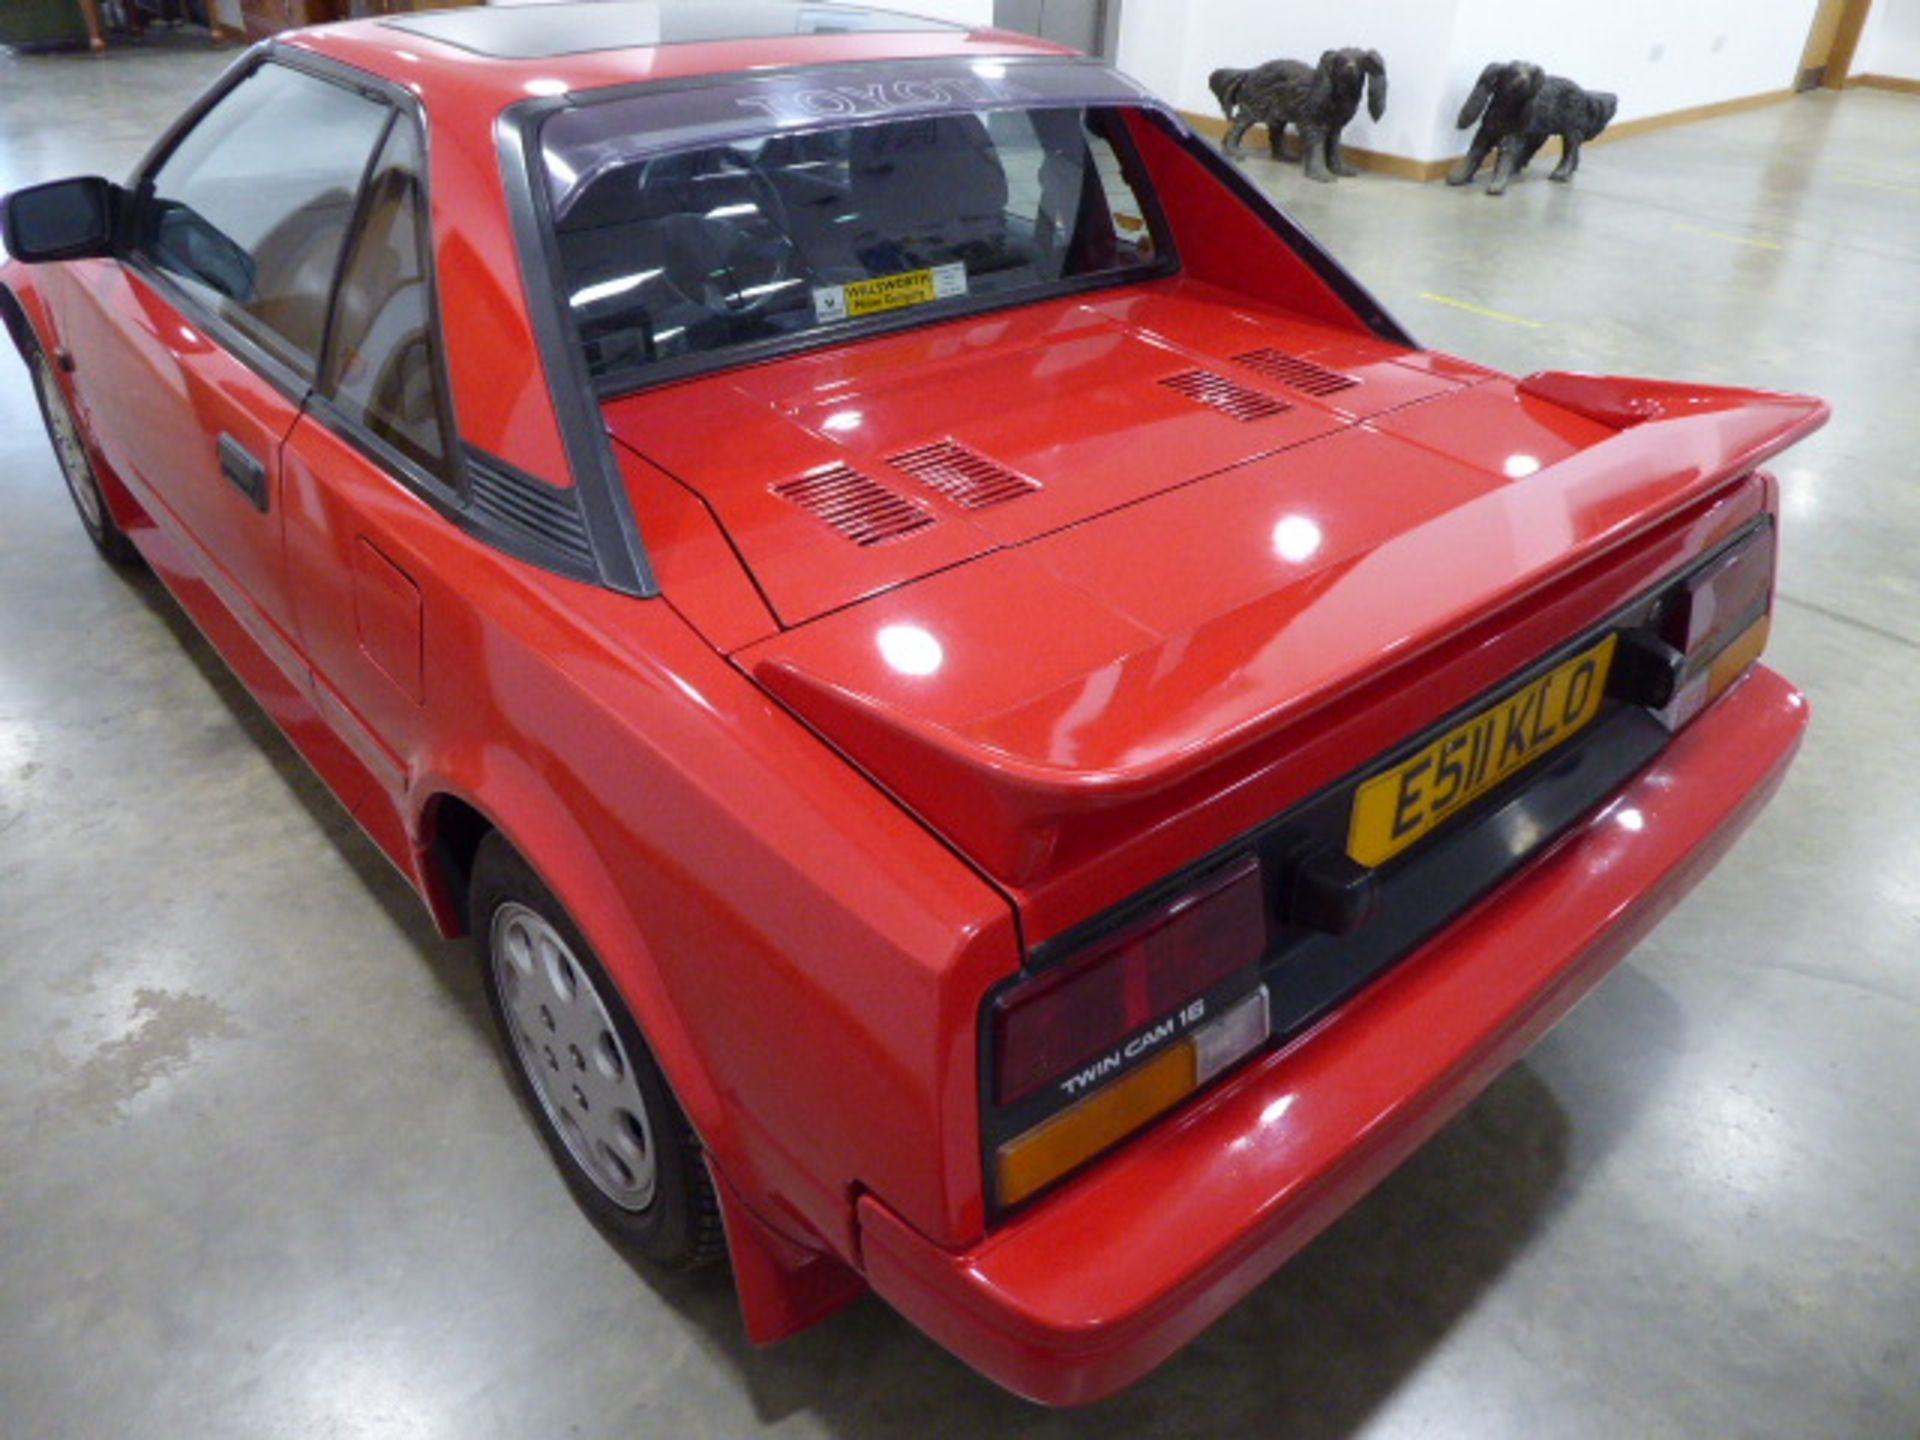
<point x="449" y="830"/>
<point x="450" y="833"/>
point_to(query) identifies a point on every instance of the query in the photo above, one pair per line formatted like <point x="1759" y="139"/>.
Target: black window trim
<point x="619" y="550"/>
<point x="576" y="400"/>
<point x="1166" y="263"/>
<point x="612" y="526"/>
<point x="450" y="479"/>
<point x="449" y="495"/>
<point x="303" y="391"/>
<point x="665" y="372"/>
<point x="285" y="378"/>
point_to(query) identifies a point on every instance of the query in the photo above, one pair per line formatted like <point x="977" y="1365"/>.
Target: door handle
<point x="248" y="475"/>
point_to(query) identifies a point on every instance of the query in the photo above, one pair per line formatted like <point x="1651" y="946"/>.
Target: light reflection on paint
<point x="1630" y="818"/>
<point x="1275" y="1111"/>
<point x="1518" y="467"/>
<point x="842" y="421"/>
<point x="1296" y="538"/>
<point x="693" y="692"/>
<point x="546" y="85"/>
<point x="910" y="649"/>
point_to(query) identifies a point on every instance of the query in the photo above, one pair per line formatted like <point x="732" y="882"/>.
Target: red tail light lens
<point x="1719" y="622"/>
<point x="1725" y="598"/>
<point x="1071" y="1013"/>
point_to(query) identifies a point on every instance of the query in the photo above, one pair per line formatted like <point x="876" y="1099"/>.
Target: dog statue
<point x="1318" y="101"/>
<point x="1520" y="107"/>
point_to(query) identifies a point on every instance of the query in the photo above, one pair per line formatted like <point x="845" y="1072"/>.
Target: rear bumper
<point x="1095" y="1286"/>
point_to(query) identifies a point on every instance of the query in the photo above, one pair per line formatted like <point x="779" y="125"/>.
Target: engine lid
<point x="844" y="473"/>
<point x="1101" y="664"/>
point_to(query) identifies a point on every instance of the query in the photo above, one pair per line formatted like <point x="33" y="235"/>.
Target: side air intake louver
<point x="1295" y="373"/>
<point x="969" y="480"/>
<point x="525" y="511"/>
<point x="1225" y="396"/>
<point x="862" y="509"/>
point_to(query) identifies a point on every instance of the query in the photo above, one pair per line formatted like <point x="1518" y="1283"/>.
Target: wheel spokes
<point x="572" y="1055"/>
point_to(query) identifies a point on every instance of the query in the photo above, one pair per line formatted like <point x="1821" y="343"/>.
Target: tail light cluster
<point x="1122" y="1031"/>
<point x="1084" y="1052"/>
<point x="1717" y="622"/>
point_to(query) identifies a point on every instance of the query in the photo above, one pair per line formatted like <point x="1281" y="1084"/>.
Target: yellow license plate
<point x="1397" y="807"/>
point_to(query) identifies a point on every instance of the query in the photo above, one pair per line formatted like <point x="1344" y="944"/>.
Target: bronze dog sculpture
<point x="1520" y="107"/>
<point x="1318" y="101"/>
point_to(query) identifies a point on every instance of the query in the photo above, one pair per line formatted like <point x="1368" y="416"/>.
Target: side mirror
<point x="61" y="220"/>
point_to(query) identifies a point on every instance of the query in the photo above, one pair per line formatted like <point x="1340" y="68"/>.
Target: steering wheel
<point x="725" y="264"/>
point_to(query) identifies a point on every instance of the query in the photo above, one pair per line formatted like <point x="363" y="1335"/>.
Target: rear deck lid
<point x="1104" y="663"/>
<point x="843" y="474"/>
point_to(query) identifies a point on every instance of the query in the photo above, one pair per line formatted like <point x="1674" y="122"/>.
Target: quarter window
<point x="250" y="210"/>
<point x="382" y="359"/>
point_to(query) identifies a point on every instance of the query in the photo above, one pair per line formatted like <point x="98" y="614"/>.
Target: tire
<point x="76" y="464"/>
<point x="585" y="1072"/>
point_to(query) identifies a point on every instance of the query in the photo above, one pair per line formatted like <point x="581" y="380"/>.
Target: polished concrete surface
<point x="260" y="1175"/>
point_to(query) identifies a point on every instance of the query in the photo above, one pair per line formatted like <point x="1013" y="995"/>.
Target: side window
<point x="249" y="211"/>
<point x="381" y="357"/>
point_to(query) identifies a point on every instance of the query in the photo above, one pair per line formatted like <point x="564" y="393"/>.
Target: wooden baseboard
<point x="1405" y="167"/>
<point x="1692" y="113"/>
<point x="1402" y="167"/>
<point x="1902" y="83"/>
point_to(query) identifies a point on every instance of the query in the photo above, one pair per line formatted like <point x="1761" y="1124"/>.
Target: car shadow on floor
<point x="1310" y="1355"/>
<point x="1323" y="1345"/>
<point x="451" y="962"/>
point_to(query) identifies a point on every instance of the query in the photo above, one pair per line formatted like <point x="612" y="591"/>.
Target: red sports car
<point x="1005" y="735"/>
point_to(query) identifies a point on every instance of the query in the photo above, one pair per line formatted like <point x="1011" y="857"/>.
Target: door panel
<point x="353" y="524"/>
<point x="198" y="353"/>
<point x="363" y="623"/>
<point x="165" y="401"/>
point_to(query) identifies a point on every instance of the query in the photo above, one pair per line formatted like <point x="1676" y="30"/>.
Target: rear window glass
<point x="671" y="257"/>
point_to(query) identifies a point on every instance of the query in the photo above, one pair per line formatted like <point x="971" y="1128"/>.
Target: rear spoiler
<point x="1000" y="784"/>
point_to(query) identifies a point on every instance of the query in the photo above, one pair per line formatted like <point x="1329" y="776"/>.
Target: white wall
<point x="1173" y="45"/>
<point x="1890" y="45"/>
<point x="960" y="12"/>
<point x="1657" y="55"/>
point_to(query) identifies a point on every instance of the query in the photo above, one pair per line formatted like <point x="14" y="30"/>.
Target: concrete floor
<point x="260" y="1174"/>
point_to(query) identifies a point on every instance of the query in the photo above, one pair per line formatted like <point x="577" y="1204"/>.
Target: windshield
<point x="679" y="258"/>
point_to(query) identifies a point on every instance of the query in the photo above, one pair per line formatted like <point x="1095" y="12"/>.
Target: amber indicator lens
<point x="1114" y="1111"/>
<point x="1726" y="620"/>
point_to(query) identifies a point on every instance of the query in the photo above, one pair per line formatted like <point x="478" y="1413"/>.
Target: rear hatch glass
<point x="912" y="200"/>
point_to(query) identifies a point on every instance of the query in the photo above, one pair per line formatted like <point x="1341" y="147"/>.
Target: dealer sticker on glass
<point x="888" y="292"/>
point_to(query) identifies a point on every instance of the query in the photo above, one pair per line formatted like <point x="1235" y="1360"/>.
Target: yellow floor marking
<point x="1473" y="309"/>
<point x="1736" y="239"/>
